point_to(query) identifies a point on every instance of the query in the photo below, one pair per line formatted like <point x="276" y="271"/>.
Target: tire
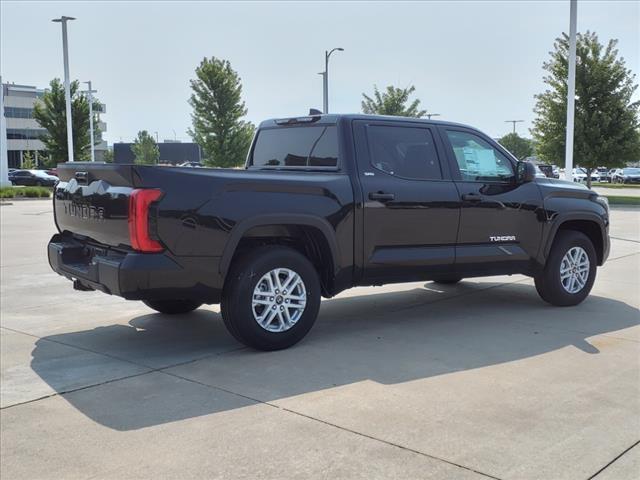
<point x="253" y="323"/>
<point x="549" y="283"/>
<point x="447" y="280"/>
<point x="172" y="307"/>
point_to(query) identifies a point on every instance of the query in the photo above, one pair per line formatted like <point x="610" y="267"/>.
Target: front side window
<point x="407" y="152"/>
<point x="313" y="146"/>
<point x="477" y="160"/>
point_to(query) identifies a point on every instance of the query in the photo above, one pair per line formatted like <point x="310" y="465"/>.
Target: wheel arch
<point x="590" y="225"/>
<point x="312" y="236"/>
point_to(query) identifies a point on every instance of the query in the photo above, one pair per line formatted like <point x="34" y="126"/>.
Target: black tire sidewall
<point x="237" y="300"/>
<point x="549" y="284"/>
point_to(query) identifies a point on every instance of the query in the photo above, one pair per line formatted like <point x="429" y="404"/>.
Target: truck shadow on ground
<point x="386" y="338"/>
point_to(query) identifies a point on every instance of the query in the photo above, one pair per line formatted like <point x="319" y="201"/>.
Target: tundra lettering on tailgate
<point x="83" y="211"/>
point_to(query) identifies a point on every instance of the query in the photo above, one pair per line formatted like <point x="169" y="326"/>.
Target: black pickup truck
<point x="325" y="203"/>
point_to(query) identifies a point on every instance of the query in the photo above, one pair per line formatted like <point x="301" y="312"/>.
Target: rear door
<point x="501" y="220"/>
<point x="411" y="209"/>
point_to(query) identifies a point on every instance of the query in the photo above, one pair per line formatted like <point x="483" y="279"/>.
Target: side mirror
<point x="526" y="172"/>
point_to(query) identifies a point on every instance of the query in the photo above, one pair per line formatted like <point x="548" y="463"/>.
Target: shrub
<point x="29" y="192"/>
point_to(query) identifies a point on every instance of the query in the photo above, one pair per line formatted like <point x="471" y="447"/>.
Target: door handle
<point x="471" y="197"/>
<point x="382" y="196"/>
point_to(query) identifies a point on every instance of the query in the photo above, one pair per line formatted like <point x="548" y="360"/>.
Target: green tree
<point x="606" y="120"/>
<point x="217" y="115"/>
<point x="28" y="161"/>
<point x="50" y="112"/>
<point x="145" y="149"/>
<point x="393" y="101"/>
<point x="520" y="147"/>
<point x="107" y="156"/>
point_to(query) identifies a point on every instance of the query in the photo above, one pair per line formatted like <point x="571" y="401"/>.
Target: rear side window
<point x="315" y="146"/>
<point x="406" y="152"/>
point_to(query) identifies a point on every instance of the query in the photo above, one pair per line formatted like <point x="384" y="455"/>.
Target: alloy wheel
<point x="574" y="270"/>
<point x="279" y="300"/>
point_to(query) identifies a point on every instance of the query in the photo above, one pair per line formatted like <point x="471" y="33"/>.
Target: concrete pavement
<point x="478" y="380"/>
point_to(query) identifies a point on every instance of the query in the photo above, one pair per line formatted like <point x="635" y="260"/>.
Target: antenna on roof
<point x="314" y="111"/>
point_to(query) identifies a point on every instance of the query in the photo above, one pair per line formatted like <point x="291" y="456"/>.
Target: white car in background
<point x="580" y="175"/>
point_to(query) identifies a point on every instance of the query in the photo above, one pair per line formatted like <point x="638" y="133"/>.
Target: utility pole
<point x="325" y="79"/>
<point x="514" y="123"/>
<point x="429" y="115"/>
<point x="4" y="159"/>
<point x="67" y="89"/>
<point x="90" y="98"/>
<point x="571" y="91"/>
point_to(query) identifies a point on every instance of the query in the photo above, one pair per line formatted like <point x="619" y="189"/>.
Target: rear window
<point x="315" y="146"/>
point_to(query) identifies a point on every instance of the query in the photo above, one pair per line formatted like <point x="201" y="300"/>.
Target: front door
<point x="501" y="219"/>
<point x="411" y="205"/>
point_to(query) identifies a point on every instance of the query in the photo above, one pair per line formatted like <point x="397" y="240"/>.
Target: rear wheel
<point x="271" y="298"/>
<point x="570" y="270"/>
<point x="172" y="307"/>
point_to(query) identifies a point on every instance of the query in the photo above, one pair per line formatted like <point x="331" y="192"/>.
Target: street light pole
<point x="571" y="92"/>
<point x="90" y="98"/>
<point x="4" y="159"/>
<point x="325" y="79"/>
<point x="67" y="87"/>
<point x="514" y="123"/>
<point x="429" y="115"/>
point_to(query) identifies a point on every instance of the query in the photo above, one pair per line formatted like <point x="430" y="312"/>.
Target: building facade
<point x="24" y="132"/>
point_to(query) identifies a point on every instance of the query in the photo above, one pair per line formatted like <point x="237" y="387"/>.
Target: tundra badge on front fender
<point x="502" y="238"/>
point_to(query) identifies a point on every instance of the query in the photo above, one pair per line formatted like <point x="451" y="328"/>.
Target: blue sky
<point x="473" y="62"/>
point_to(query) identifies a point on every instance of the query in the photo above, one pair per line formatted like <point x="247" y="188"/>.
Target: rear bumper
<point x="135" y="276"/>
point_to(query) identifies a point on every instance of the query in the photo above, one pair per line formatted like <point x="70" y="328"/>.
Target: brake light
<point x="139" y="203"/>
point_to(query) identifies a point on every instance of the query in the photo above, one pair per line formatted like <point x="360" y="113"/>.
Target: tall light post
<point x="429" y="115"/>
<point x="90" y="98"/>
<point x="514" y="123"/>
<point x="67" y="88"/>
<point x="571" y="92"/>
<point x="4" y="159"/>
<point x="325" y="79"/>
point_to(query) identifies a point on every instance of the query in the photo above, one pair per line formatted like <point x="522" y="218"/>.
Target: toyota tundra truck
<point x="324" y="203"/>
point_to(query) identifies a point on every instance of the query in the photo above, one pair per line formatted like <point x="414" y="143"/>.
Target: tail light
<point x="139" y="203"/>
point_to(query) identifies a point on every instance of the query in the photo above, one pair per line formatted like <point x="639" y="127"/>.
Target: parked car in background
<point x="626" y="175"/>
<point x="52" y="171"/>
<point x="580" y="175"/>
<point x="539" y="172"/>
<point x="550" y="171"/>
<point x="603" y="172"/>
<point x="39" y="178"/>
<point x="191" y="164"/>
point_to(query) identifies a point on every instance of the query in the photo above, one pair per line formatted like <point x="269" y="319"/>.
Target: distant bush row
<point x="30" y="192"/>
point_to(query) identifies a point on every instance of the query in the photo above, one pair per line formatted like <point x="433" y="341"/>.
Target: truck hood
<point x="554" y="183"/>
<point x="551" y="187"/>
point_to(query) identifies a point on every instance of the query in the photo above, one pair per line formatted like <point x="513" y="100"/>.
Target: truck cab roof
<point x="334" y="118"/>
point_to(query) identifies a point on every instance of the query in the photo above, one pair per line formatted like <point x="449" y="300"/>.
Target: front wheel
<point x="271" y="298"/>
<point x="570" y="270"/>
<point x="172" y="307"/>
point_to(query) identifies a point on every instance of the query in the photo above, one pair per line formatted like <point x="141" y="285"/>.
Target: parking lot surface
<point x="478" y="380"/>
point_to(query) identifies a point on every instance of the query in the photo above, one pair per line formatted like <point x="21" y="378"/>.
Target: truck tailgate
<point x="92" y="200"/>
